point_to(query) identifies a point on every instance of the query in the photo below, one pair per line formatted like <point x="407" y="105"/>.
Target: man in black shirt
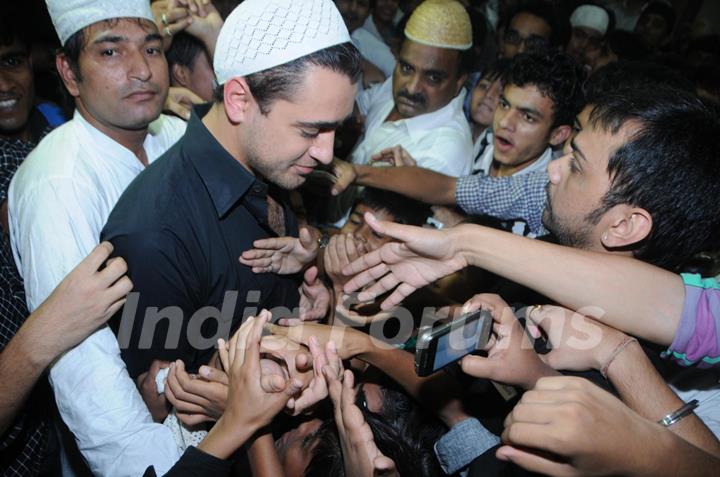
<point x="183" y="223"/>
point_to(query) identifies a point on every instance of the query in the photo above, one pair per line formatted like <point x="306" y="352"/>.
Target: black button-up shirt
<point x="181" y="225"/>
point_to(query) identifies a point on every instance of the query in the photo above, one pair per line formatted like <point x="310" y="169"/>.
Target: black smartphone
<point x="447" y="343"/>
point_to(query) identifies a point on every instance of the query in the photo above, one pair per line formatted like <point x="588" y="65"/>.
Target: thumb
<point x="306" y="239"/>
<point x="478" y="366"/>
<point x="403" y="233"/>
<point x="310" y="275"/>
<point x="213" y="374"/>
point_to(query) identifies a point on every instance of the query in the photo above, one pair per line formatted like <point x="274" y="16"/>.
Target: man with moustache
<point x="420" y="107"/>
<point x="540" y="98"/>
<point x="112" y="64"/>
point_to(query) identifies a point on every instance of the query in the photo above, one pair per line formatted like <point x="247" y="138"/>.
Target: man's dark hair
<point x="556" y="75"/>
<point x="402" y="432"/>
<point x="281" y="82"/>
<point x="14" y="29"/>
<point x="637" y="75"/>
<point x="669" y="167"/>
<point x="558" y="21"/>
<point x="405" y="210"/>
<point x="184" y="51"/>
<point x="496" y="69"/>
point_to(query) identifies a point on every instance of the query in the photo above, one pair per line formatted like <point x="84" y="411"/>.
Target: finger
<point x="535" y="436"/>
<point x="362" y="270"/>
<point x="306" y="239"/>
<point x="187" y="97"/>
<point x="97" y="257"/>
<point x="397" y="296"/>
<point x="184" y="387"/>
<point x="310" y="276"/>
<point x="112" y="309"/>
<point x="223" y="353"/>
<point x="533" y="462"/>
<point x="213" y="375"/>
<point x="253" y="343"/>
<point x="176" y="107"/>
<point x="478" y="366"/>
<point x="115" y="268"/>
<point x="290" y="322"/>
<point x="272" y="383"/>
<point x="173" y="15"/>
<point x="193" y="419"/>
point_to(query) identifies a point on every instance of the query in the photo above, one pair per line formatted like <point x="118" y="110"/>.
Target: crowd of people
<point x="226" y="225"/>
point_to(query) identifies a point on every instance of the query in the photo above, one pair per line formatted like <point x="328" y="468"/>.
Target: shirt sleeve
<point x="195" y="463"/>
<point x="697" y="339"/>
<point x="53" y="228"/>
<point x="519" y="197"/>
<point x="462" y="444"/>
<point x="448" y="154"/>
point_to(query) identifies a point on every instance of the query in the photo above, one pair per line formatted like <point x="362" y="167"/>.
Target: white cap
<point x="71" y="16"/>
<point x="590" y="16"/>
<point x="262" y="34"/>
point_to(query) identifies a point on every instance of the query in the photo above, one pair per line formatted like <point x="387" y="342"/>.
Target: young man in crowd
<point x="534" y="25"/>
<point x="541" y="96"/>
<point x="113" y="66"/>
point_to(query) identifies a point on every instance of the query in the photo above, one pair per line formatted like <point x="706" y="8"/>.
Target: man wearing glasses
<point x="534" y="25"/>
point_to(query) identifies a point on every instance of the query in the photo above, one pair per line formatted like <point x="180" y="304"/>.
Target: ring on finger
<point x="164" y="19"/>
<point x="168" y="32"/>
<point x="533" y="309"/>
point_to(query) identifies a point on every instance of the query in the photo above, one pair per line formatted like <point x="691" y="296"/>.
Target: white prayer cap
<point x="590" y="16"/>
<point x="262" y="34"/>
<point x="71" y="16"/>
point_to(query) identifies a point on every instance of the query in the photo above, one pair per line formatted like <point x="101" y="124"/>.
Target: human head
<point x="17" y="90"/>
<point x="542" y="94"/>
<point x="637" y="176"/>
<point x="386" y="206"/>
<point x="280" y="101"/>
<point x="189" y="66"/>
<point x="384" y="11"/>
<point x="534" y="25"/>
<point x="354" y="12"/>
<point x="655" y="24"/>
<point x="590" y="23"/>
<point x="485" y="94"/>
<point x="431" y="65"/>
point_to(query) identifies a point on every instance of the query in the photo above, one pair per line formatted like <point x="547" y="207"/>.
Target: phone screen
<point x="457" y="343"/>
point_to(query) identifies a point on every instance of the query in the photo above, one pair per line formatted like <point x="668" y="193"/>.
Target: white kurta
<point x="484" y="161"/>
<point x="59" y="201"/>
<point x="373" y="48"/>
<point x="440" y="140"/>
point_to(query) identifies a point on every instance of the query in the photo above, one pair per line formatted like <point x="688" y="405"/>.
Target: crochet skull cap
<point x="442" y="24"/>
<point x="262" y="34"/>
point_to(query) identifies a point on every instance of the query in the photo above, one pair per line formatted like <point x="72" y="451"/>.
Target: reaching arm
<point x="615" y="287"/>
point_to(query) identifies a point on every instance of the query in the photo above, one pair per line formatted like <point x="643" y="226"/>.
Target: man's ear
<point x="627" y="226"/>
<point x="559" y="135"/>
<point x="238" y="100"/>
<point x="67" y="75"/>
<point x="180" y="75"/>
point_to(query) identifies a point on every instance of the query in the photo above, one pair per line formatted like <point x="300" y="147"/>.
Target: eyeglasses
<point x="532" y="42"/>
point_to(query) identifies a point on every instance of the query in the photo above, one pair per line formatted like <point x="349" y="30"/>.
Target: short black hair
<point x="13" y="28"/>
<point x="557" y="20"/>
<point x="662" y="9"/>
<point x="669" y="167"/>
<point x="184" y="50"/>
<point x="639" y="75"/>
<point x="496" y="69"/>
<point x="556" y="75"/>
<point x="405" y="210"/>
<point x="281" y="82"/>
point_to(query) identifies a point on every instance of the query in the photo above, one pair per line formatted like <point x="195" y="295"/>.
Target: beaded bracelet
<point x="618" y="349"/>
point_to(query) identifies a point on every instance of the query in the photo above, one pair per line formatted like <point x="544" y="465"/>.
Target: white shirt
<point x="483" y="162"/>
<point x="59" y="201"/>
<point x="440" y="140"/>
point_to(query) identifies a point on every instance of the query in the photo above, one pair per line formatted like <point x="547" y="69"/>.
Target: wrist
<point x="622" y="354"/>
<point x="603" y="352"/>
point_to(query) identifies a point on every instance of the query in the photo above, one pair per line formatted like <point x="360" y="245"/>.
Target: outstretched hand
<point x="416" y="258"/>
<point x="281" y="255"/>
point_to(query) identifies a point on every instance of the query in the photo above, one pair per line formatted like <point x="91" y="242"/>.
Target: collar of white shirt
<point x="484" y="162"/>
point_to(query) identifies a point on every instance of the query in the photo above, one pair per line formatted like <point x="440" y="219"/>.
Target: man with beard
<point x="183" y="224"/>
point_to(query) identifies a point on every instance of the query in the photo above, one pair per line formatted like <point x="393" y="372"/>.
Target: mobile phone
<point x="447" y="343"/>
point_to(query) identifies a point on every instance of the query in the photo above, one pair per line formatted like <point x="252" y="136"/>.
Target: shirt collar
<point x="225" y="179"/>
<point x="420" y="125"/>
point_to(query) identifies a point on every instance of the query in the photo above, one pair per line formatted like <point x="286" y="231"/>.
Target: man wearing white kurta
<point x="61" y="197"/>
<point x="420" y="107"/>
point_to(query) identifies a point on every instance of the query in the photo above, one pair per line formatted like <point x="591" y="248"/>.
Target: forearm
<point x="21" y="365"/>
<point x="415" y="182"/>
<point x="264" y="460"/>
<point x="671" y="456"/>
<point x="642" y="388"/>
<point x="617" y="287"/>
<point x="225" y="438"/>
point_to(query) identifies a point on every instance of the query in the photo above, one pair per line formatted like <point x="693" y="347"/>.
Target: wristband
<point x="618" y="349"/>
<point x="678" y="415"/>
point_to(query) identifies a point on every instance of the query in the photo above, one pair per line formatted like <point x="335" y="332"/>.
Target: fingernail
<point x="204" y="371"/>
